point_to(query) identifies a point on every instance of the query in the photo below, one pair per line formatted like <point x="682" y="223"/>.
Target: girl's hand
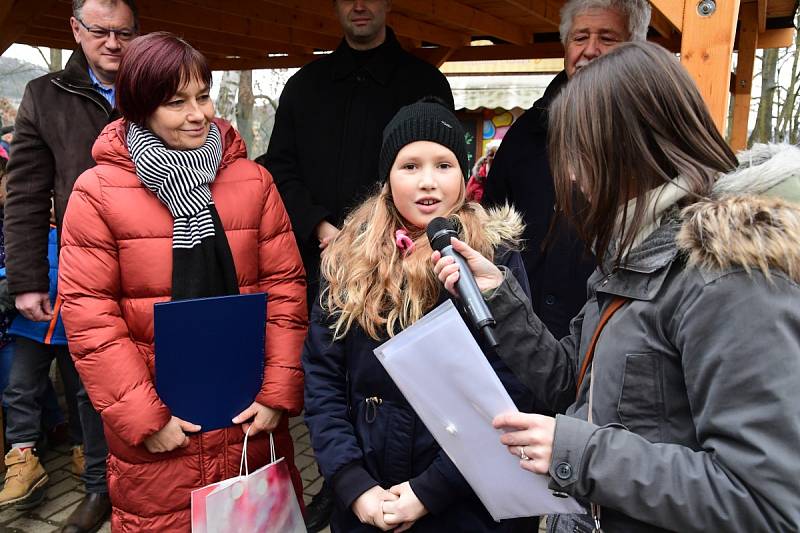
<point x="261" y="417"/>
<point x="533" y="436"/>
<point x="171" y="436"/>
<point x="368" y="507"/>
<point x="403" y="512"/>
<point x="486" y="273"/>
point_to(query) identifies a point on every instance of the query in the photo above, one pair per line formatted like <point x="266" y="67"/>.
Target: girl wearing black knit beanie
<point x="384" y="466"/>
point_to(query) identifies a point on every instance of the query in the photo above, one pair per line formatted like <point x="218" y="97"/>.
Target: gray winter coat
<point x="695" y="410"/>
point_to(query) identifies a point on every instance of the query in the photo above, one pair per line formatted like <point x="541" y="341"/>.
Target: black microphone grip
<point x="440" y="231"/>
<point x="471" y="297"/>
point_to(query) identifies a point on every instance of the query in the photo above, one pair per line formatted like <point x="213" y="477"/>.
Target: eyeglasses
<point x="102" y="33"/>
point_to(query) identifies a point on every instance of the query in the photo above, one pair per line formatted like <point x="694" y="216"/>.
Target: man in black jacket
<point x="324" y="149"/>
<point x="60" y="117"/>
<point x="557" y="262"/>
<point x="323" y="153"/>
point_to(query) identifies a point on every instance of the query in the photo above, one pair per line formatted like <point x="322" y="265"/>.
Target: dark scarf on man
<point x="202" y="264"/>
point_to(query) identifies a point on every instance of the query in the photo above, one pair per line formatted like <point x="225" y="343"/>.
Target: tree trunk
<point x="785" y="126"/>
<point x="244" y="108"/>
<point x="763" y="127"/>
<point x="55" y="60"/>
<point x="226" y="100"/>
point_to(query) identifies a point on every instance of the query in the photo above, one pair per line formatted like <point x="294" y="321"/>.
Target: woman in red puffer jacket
<point x="130" y="241"/>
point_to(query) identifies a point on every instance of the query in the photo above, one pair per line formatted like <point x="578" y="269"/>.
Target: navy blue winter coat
<point x="365" y="433"/>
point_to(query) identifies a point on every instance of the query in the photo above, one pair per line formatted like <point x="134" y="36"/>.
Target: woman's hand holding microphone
<point x="486" y="273"/>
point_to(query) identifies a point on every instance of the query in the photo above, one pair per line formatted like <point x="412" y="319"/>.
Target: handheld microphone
<point x="439" y="231"/>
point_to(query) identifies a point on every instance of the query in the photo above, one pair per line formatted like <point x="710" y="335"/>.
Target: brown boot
<point x="89" y="515"/>
<point x="25" y="480"/>
<point x="78" y="461"/>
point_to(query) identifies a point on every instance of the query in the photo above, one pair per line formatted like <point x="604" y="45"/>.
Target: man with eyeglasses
<point x="60" y="117"/>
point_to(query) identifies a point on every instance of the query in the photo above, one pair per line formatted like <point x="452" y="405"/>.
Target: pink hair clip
<point x="403" y="242"/>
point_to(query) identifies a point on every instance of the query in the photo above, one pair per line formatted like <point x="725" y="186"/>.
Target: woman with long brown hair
<point x="680" y="374"/>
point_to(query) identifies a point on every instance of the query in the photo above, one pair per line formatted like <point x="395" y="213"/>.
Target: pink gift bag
<point x="256" y="502"/>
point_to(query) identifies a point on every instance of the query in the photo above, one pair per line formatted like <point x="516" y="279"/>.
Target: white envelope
<point x="445" y="376"/>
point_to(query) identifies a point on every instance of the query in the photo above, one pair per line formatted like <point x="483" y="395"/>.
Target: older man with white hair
<point x="520" y="174"/>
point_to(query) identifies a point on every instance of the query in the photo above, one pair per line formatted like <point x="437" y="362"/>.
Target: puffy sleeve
<point x="282" y="277"/>
<point x="111" y="367"/>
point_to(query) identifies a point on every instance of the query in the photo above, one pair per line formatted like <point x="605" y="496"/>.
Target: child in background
<point x="35" y="346"/>
<point x="384" y="466"/>
<point x="477" y="182"/>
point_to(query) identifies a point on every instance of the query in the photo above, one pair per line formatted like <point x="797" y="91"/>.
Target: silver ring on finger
<point x="522" y="454"/>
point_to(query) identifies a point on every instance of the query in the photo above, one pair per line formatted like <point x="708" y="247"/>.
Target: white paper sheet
<point x="446" y="378"/>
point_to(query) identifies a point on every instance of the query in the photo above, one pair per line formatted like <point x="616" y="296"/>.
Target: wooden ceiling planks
<point x="266" y="33"/>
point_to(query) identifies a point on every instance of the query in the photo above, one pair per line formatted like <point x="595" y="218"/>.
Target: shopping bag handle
<point x="243" y="461"/>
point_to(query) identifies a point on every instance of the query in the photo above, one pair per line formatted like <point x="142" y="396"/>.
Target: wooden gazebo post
<point x="709" y="29"/>
<point x="743" y="82"/>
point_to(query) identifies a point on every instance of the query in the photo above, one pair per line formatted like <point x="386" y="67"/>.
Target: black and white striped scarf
<point x="181" y="179"/>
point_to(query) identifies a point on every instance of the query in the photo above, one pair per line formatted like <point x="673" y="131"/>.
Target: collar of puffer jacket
<point x="111" y="147"/>
<point x="753" y="219"/>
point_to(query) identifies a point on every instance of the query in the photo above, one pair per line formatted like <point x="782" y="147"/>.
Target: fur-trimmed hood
<point x="504" y="227"/>
<point x="753" y="217"/>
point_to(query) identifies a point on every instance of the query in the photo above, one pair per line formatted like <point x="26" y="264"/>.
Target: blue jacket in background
<point x="51" y="332"/>
<point x="364" y="432"/>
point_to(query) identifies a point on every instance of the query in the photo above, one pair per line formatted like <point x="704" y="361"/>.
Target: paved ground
<point x="65" y="491"/>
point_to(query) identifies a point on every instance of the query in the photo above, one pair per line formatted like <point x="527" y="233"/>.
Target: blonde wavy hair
<point x="368" y="282"/>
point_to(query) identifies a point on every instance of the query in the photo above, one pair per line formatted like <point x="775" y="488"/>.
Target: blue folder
<point x="209" y="355"/>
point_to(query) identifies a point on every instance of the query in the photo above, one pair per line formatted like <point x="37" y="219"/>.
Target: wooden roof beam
<point x="440" y="55"/>
<point x="402" y="24"/>
<point x="544" y="10"/>
<point x="18" y="18"/>
<point x="458" y="14"/>
<point x="197" y="37"/>
<point x="170" y="15"/>
<point x="225" y="22"/>
<point x="312" y="22"/>
<point x="427" y="32"/>
<point x="671" y="10"/>
<point x="241" y="63"/>
<point x="662" y="26"/>
<point x="40" y="37"/>
<point x="506" y="51"/>
<point x="781" y="38"/>
<point x="467" y="53"/>
<point x="5" y="10"/>
<point x="762" y="16"/>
